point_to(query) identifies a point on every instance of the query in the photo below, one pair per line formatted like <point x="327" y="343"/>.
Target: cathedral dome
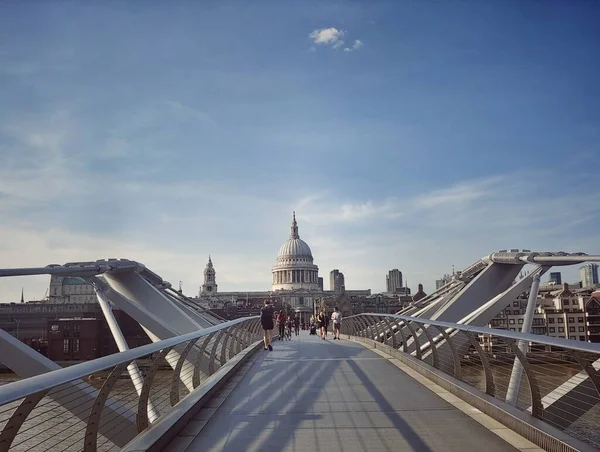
<point x="294" y="247"/>
<point x="295" y="269"/>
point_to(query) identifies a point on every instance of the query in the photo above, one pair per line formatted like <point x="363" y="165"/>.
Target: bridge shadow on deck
<point x="331" y="396"/>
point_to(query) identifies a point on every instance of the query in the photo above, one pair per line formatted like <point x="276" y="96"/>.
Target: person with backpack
<point x="266" y="320"/>
<point x="336" y="318"/>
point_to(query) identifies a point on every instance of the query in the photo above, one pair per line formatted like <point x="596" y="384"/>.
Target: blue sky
<point x="410" y="135"/>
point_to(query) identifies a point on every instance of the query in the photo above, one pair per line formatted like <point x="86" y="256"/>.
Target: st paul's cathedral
<point x="295" y="284"/>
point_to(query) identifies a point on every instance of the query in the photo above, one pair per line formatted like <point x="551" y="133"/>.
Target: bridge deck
<point x="313" y="395"/>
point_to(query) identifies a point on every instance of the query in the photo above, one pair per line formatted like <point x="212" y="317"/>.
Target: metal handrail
<point x="23" y="388"/>
<point x="560" y="399"/>
<point x="586" y="347"/>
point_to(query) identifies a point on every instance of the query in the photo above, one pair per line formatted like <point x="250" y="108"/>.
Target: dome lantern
<point x="294" y="233"/>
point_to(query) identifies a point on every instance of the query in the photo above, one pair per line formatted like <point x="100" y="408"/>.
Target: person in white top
<point x="336" y="317"/>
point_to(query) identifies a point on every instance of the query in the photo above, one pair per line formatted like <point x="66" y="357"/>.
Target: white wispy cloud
<point x="357" y="44"/>
<point x="34" y="165"/>
<point x="56" y="209"/>
<point x="461" y="193"/>
<point x="423" y="234"/>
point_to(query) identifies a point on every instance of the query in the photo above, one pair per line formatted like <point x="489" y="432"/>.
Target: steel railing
<point x="560" y="380"/>
<point x="97" y="405"/>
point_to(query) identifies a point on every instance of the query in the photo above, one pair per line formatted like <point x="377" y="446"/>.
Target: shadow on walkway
<point x="306" y="391"/>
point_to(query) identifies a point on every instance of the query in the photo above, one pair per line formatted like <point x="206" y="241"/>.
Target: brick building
<point x="564" y="312"/>
<point x="46" y="326"/>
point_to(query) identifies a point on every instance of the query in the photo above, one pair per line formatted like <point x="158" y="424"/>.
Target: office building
<point x="393" y="281"/>
<point x="589" y="275"/>
<point x="336" y="280"/>
<point x="439" y="283"/>
<point x="555" y="278"/>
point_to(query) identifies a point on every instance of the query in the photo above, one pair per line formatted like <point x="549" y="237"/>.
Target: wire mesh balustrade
<point x="103" y="404"/>
<point x="559" y="381"/>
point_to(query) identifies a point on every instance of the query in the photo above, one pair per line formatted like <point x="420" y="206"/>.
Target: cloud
<point x="172" y="226"/>
<point x="165" y="158"/>
<point x="328" y="37"/>
<point x="334" y="38"/>
<point x="428" y="232"/>
<point x="355" y="46"/>
<point x="34" y="165"/>
<point x="461" y="193"/>
<point x="58" y="207"/>
<point x="505" y="202"/>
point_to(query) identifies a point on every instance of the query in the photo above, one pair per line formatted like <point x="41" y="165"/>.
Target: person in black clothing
<point x="281" y="321"/>
<point x="266" y="320"/>
<point x="297" y="325"/>
<point x="322" y="324"/>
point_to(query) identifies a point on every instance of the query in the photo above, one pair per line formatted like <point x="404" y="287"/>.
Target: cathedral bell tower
<point x="210" y="286"/>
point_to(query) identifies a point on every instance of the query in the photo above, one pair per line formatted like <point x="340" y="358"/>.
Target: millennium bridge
<point x="432" y="377"/>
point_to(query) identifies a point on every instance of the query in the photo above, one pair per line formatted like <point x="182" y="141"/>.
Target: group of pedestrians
<point x="286" y="324"/>
<point x="322" y="323"/>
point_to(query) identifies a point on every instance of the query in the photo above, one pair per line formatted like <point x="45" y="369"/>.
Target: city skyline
<point x="397" y="148"/>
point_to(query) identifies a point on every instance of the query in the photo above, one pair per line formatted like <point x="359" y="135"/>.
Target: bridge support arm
<point x="512" y="393"/>
<point x="134" y="372"/>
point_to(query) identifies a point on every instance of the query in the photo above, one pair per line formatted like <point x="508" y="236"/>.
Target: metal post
<point x="132" y="368"/>
<point x="512" y="393"/>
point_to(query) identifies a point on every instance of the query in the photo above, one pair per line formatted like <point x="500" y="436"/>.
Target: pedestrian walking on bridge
<point x="323" y="323"/>
<point x="336" y="318"/>
<point x="266" y="320"/>
<point x="297" y="325"/>
<point x="281" y="322"/>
